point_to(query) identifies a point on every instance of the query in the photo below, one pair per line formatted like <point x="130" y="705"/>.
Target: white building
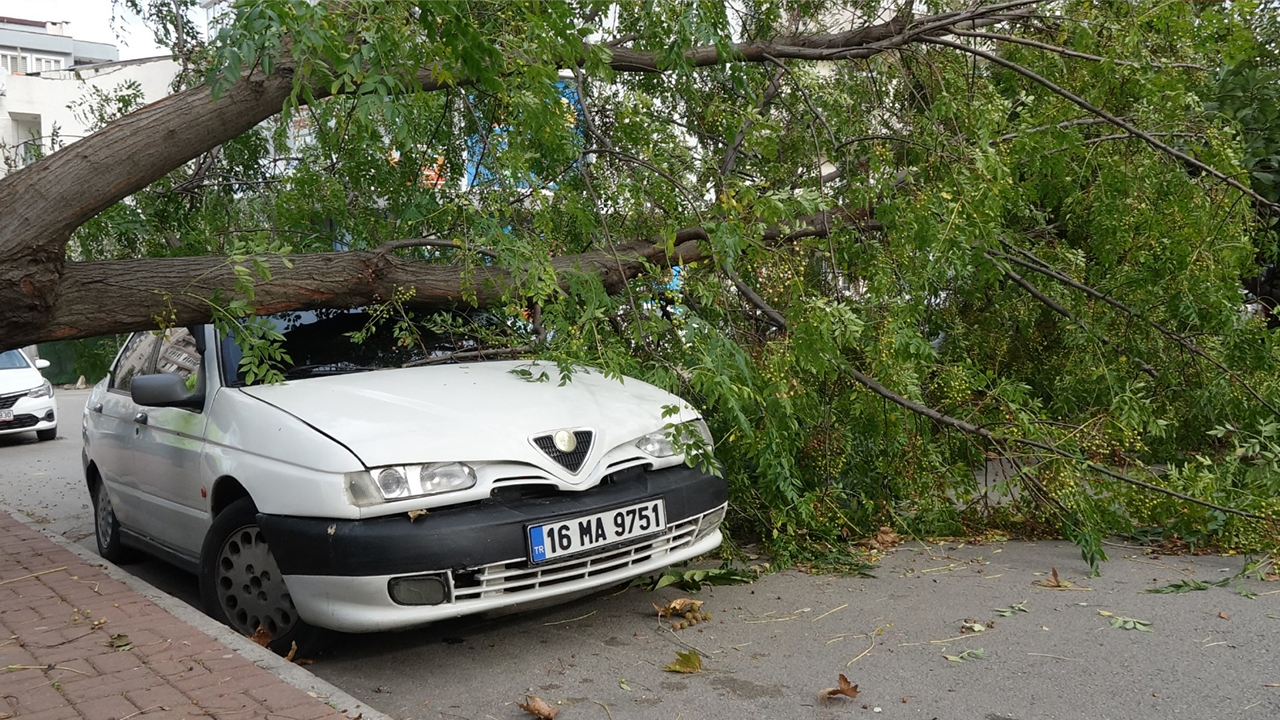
<point x="43" y="71"/>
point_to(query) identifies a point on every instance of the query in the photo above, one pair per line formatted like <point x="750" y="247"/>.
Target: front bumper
<point x="338" y="571"/>
<point x="31" y="414"/>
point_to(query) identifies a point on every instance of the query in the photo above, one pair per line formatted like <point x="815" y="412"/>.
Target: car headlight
<point x="45" y="390"/>
<point x="671" y="441"/>
<point x="446" y="477"/>
<point x="402" y="482"/>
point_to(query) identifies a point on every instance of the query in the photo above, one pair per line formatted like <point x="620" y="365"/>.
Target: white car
<point x="26" y="398"/>
<point x="362" y="495"/>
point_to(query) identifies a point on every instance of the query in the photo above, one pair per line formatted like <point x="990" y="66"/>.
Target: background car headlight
<point x="45" y="390"/>
<point x="446" y="477"/>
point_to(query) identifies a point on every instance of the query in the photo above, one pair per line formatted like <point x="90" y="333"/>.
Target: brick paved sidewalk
<point x="62" y="654"/>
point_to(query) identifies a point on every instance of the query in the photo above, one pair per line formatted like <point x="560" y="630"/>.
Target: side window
<point x="134" y="360"/>
<point x="179" y="356"/>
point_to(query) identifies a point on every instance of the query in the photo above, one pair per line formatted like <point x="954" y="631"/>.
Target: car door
<point x="114" y="430"/>
<point x="168" y="449"/>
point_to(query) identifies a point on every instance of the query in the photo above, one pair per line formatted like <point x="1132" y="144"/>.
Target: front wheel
<point x="241" y="585"/>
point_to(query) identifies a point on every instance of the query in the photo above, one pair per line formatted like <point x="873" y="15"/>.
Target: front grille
<point x="19" y="422"/>
<point x="515" y="576"/>
<point x="8" y="401"/>
<point x="572" y="460"/>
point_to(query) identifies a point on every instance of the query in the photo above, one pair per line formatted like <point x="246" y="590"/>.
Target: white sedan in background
<point x="378" y="488"/>
<point x="26" y="398"/>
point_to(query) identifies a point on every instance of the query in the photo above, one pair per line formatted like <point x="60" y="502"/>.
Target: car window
<point x="134" y="360"/>
<point x="178" y="356"/>
<point x="13" y="360"/>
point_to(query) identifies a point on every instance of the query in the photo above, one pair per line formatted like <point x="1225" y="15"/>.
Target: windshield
<point x="323" y="342"/>
<point x="13" y="360"/>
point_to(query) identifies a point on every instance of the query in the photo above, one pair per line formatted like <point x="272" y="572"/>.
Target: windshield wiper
<point x="329" y="368"/>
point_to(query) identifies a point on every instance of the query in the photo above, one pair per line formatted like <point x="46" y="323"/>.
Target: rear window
<point x="325" y="342"/>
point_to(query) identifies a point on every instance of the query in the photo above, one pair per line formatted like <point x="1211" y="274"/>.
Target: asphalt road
<point x="772" y="646"/>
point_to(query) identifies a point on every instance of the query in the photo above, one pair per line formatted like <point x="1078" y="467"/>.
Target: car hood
<point x="19" y="380"/>
<point x="471" y="413"/>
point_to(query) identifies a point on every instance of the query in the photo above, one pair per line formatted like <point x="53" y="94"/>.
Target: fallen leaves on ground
<point x="1126" y="623"/>
<point x="689" y="662"/>
<point x="121" y="642"/>
<point x="415" y="514"/>
<point x="1015" y="608"/>
<point x="262" y="636"/>
<point x="678" y="607"/>
<point x="884" y="539"/>
<point x="969" y="626"/>
<point x="538" y="707"/>
<point x="843" y="689"/>
<point x="293" y="650"/>
<point x="1224" y="616"/>
<point x="975" y="654"/>
<point x="1053" y="582"/>
<point x="693" y="580"/>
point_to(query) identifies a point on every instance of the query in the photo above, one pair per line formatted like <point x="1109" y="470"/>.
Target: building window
<point x="42" y="64"/>
<point x="13" y="62"/>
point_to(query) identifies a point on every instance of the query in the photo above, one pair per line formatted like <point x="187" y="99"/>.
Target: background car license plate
<point x="6" y="415"/>
<point x="567" y="537"/>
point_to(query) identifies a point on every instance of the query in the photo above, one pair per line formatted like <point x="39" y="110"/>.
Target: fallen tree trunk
<point x="43" y="297"/>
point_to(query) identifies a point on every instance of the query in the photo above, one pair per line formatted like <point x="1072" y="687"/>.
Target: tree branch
<point x="1261" y="201"/>
<point x="1070" y="53"/>
<point x="963" y="426"/>
<point x="1039" y="267"/>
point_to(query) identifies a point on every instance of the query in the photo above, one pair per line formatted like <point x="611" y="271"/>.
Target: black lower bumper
<point x="473" y="535"/>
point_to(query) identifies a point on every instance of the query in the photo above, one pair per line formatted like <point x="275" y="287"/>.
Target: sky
<point x="92" y="20"/>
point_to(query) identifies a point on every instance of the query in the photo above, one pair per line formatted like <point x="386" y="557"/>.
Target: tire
<point x="106" y="528"/>
<point x="241" y="585"/>
<point x="47" y="434"/>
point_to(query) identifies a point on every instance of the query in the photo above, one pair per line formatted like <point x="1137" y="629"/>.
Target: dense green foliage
<point x="958" y="178"/>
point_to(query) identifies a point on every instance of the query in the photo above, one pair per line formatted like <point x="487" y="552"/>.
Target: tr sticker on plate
<point x="568" y="537"/>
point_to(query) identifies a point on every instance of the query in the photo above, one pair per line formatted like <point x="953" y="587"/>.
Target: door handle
<point x="97" y="407"/>
<point x="140" y="418"/>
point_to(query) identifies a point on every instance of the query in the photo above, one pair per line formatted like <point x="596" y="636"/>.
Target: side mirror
<point x="41" y="363"/>
<point x="164" y="390"/>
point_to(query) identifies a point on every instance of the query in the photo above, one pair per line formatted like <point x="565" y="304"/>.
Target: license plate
<point x="6" y="415"/>
<point x="575" y="535"/>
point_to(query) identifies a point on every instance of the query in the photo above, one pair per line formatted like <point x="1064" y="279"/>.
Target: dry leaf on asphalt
<point x="845" y="689"/>
<point x="415" y="514"/>
<point x="686" y="662"/>
<point x="884" y="539"/>
<point x="1224" y="616"/>
<point x="1053" y="582"/>
<point x="262" y="636"/>
<point x="538" y="707"/>
<point x="293" y="650"/>
<point x="679" y="606"/>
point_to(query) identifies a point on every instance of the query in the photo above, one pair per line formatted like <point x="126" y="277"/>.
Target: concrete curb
<point x="295" y="675"/>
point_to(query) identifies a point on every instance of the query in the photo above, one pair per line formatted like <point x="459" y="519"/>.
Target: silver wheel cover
<point x="250" y="590"/>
